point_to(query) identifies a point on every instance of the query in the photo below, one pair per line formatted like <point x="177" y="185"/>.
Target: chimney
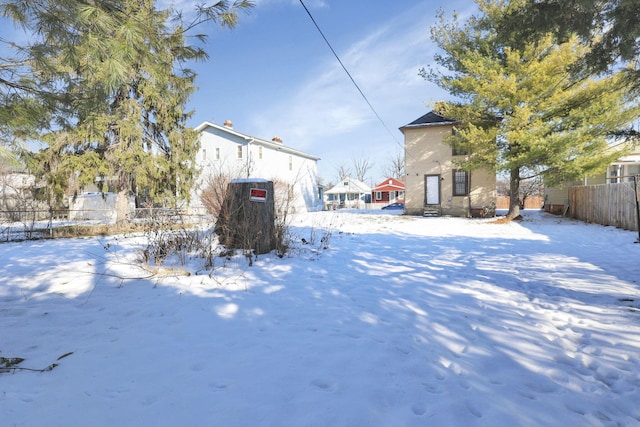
<point x="277" y="139"/>
<point x="228" y="124"/>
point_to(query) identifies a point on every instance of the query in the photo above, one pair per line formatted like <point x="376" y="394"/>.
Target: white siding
<point x="261" y="159"/>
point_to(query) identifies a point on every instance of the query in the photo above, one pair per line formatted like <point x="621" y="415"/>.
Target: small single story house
<point x="227" y="152"/>
<point x="390" y="190"/>
<point x="434" y="184"/>
<point x="348" y="193"/>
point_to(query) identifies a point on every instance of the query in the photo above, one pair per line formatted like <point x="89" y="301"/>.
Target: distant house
<point x="17" y="197"/>
<point x="348" y="193"/>
<point x="556" y="199"/>
<point x="226" y="152"/>
<point x="434" y="185"/>
<point x="15" y="189"/>
<point x="390" y="190"/>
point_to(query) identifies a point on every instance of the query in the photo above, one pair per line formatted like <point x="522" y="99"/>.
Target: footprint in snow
<point x="474" y="410"/>
<point x="322" y="384"/>
<point x="418" y="409"/>
<point x="433" y="388"/>
<point x="197" y="367"/>
<point x="218" y="385"/>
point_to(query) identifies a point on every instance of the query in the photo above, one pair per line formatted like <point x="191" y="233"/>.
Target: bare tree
<point x="214" y="186"/>
<point x="502" y="187"/>
<point x="213" y="194"/>
<point x="530" y="188"/>
<point x="343" y="172"/>
<point x="217" y="179"/>
<point x="394" y="168"/>
<point x="361" y="166"/>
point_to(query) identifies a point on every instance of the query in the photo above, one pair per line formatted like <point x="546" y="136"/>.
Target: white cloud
<point x="385" y="66"/>
<point x="318" y="109"/>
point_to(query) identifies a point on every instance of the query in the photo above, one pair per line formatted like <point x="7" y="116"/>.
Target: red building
<point x="390" y="190"/>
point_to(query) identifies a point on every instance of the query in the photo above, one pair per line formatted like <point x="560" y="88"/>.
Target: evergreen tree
<point x="112" y="75"/>
<point x="521" y="109"/>
<point x="611" y="28"/>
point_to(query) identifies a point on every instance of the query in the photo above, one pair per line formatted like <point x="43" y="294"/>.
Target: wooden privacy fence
<point x="534" y="202"/>
<point x="606" y="204"/>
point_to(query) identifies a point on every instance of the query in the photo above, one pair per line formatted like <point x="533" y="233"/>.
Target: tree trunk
<point x="122" y="206"/>
<point x="514" y="194"/>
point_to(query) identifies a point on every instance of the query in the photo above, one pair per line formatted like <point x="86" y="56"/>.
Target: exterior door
<point x="432" y="189"/>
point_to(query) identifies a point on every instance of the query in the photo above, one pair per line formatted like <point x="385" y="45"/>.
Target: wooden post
<point x="635" y="188"/>
<point x="247" y="216"/>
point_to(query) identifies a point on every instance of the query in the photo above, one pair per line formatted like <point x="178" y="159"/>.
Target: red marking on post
<point x="258" y="195"/>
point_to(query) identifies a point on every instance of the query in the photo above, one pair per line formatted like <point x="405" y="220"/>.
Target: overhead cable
<point x="347" y="71"/>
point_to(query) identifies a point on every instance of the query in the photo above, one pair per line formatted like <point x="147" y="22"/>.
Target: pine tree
<point x="610" y="27"/>
<point x="116" y="84"/>
<point x="522" y="110"/>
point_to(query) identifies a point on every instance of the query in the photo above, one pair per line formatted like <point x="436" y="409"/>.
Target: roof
<point x="349" y="186"/>
<point x="389" y="184"/>
<point x="630" y="159"/>
<point x="253" y="140"/>
<point x="430" y="119"/>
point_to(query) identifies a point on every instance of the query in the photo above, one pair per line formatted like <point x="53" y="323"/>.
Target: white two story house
<point x="227" y="153"/>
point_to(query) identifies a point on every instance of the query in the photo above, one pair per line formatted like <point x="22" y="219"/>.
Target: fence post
<point x="635" y="189"/>
<point x="50" y="221"/>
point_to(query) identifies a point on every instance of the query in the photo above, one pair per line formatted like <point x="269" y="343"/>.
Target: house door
<point x="432" y="189"/>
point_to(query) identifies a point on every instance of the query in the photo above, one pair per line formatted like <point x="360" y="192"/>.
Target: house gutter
<point x="249" y="142"/>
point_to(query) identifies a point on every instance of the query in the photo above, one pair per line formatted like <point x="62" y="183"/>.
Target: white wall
<point x="99" y="207"/>
<point x="260" y="159"/>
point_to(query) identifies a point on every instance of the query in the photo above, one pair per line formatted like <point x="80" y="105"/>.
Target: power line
<point x="348" y="73"/>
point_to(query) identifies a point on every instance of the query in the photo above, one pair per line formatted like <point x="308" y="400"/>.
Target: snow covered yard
<point x="401" y="321"/>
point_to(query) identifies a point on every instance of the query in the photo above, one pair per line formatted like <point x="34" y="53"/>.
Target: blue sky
<point x="274" y="75"/>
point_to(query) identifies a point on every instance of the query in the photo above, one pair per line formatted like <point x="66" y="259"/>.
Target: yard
<point x="379" y="319"/>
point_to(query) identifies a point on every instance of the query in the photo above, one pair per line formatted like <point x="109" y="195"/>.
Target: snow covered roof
<point x="349" y="186"/>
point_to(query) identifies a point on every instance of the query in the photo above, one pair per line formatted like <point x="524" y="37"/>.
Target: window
<point x="204" y="154"/>
<point x="260" y="153"/>
<point x="239" y="151"/>
<point x="290" y="163"/>
<point x="460" y="182"/>
<point x="217" y="153"/>
<point x="456" y="149"/>
<point x="378" y="195"/>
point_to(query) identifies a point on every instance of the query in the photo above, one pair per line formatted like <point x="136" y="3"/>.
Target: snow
<point x="400" y="321"/>
<point x="248" y="180"/>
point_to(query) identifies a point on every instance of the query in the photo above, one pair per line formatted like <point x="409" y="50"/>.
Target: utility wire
<point x="348" y="73"/>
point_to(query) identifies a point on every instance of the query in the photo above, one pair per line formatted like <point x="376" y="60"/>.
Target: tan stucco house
<point x="434" y="184"/>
